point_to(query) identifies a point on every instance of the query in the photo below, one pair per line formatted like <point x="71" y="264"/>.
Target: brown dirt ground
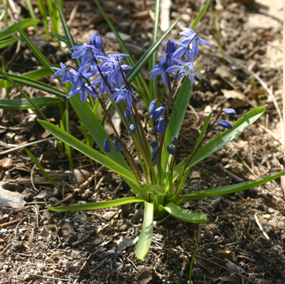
<point x="38" y="246"/>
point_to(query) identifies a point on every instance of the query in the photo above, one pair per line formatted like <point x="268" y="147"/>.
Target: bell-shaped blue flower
<point x="152" y="107"/>
<point x="133" y="127"/>
<point x="153" y="144"/>
<point x="107" y="145"/>
<point x="83" y="92"/>
<point x="154" y="160"/>
<point x="96" y="40"/>
<point x="64" y="72"/>
<point x="224" y="124"/>
<point x="171" y="149"/>
<point x="128" y="114"/>
<point x="117" y="145"/>
<point x="229" y="111"/>
<point x="155" y="151"/>
<point x="161" y="127"/>
<point x="157" y="113"/>
<point x="174" y="141"/>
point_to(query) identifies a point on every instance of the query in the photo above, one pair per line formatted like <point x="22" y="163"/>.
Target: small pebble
<point x="92" y="262"/>
<point x="209" y="250"/>
<point x="67" y="220"/>
<point x="230" y="215"/>
<point x="267" y="216"/>
<point x="26" y="277"/>
<point x="5" y="266"/>
<point x="45" y="222"/>
<point x="4" y="231"/>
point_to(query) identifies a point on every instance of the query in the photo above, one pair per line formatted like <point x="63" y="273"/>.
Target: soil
<point x="243" y="239"/>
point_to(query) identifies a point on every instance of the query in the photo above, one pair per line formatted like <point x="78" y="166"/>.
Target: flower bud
<point x="171" y="149"/>
<point x="117" y="145"/>
<point x="152" y="107"/>
<point x="153" y="144"/>
<point x="170" y="47"/>
<point x="224" y="124"/>
<point x="174" y="141"/>
<point x="161" y="127"/>
<point x="133" y="127"/>
<point x="154" y="160"/>
<point x="229" y="111"/>
<point x="157" y="113"/>
<point x="128" y="114"/>
<point x="107" y="145"/>
<point x="155" y="151"/>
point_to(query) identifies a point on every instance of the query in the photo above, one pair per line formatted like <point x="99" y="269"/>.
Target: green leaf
<point x="43" y="12"/>
<point x="200" y="15"/>
<point x="20" y="104"/>
<point x="243" y="123"/>
<point x="204" y="128"/>
<point x="228" y="189"/>
<point x="68" y="36"/>
<point x="175" y="123"/>
<point x="91" y="153"/>
<point x="34" y="49"/>
<point x="59" y="37"/>
<point x="7" y="77"/>
<point x="42" y="169"/>
<point x="184" y="215"/>
<point x="33" y="83"/>
<point x="146" y="232"/>
<point x="8" y="31"/>
<point x="156" y="189"/>
<point x="7" y="42"/>
<point x="97" y="205"/>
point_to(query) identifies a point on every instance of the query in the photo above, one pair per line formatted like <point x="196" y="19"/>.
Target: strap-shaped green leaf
<point x="184" y="215"/>
<point x="91" y="153"/>
<point x="7" y="42"/>
<point x="243" y="123"/>
<point x="8" y="31"/>
<point x="59" y="37"/>
<point x="97" y="205"/>
<point x="35" y="84"/>
<point x="200" y="15"/>
<point x="20" y="104"/>
<point x="146" y="232"/>
<point x="7" y="77"/>
<point x="228" y="189"/>
<point x="68" y="36"/>
<point x="174" y="124"/>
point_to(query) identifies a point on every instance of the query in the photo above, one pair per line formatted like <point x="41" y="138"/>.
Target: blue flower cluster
<point x="179" y="60"/>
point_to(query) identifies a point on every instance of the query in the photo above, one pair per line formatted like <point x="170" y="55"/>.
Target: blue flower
<point x="85" y="51"/>
<point x="153" y="144"/>
<point x="124" y="95"/>
<point x="184" y="69"/>
<point x="117" y="145"/>
<point x="128" y="114"/>
<point x="184" y="49"/>
<point x="161" y="68"/>
<point x="155" y="151"/>
<point x="229" y="111"/>
<point x="154" y="160"/>
<point x="83" y="92"/>
<point x="224" y="124"/>
<point x="152" y="107"/>
<point x="107" y="145"/>
<point x="192" y="37"/>
<point x="171" y="149"/>
<point x="97" y="42"/>
<point x="64" y="72"/>
<point x="161" y="127"/>
<point x="133" y="127"/>
<point x="157" y="113"/>
<point x="174" y="141"/>
<point x="101" y="81"/>
<point x="170" y="46"/>
<point x="79" y="77"/>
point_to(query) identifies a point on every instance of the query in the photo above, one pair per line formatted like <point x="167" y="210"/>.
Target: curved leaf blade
<point x="227" y="136"/>
<point x="9" y="41"/>
<point x="200" y="15"/>
<point x="35" y="84"/>
<point x="8" y="31"/>
<point x="228" y="189"/>
<point x="184" y="215"/>
<point x="91" y="153"/>
<point x="21" y="104"/>
<point x="97" y="205"/>
<point x="145" y="238"/>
